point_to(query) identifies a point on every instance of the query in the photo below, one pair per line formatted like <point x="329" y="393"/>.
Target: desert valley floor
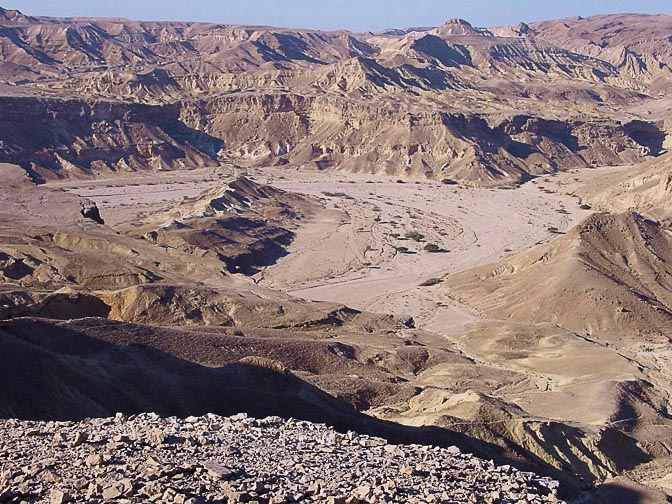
<point x="352" y="249"/>
<point x="347" y="252"/>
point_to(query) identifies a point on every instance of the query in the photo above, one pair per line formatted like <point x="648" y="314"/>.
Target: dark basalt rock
<point x="91" y="211"/>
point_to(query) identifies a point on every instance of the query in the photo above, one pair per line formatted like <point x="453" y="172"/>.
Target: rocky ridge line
<point x="482" y="107"/>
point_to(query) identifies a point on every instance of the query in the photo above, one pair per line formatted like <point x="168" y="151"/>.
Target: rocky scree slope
<point x="215" y="459"/>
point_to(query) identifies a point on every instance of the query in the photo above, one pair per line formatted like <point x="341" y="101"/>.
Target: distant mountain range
<point x="481" y="106"/>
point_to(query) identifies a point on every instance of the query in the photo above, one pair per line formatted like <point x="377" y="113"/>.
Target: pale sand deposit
<point x="344" y="254"/>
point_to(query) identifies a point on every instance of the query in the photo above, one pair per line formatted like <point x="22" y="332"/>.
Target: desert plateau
<point x="272" y="265"/>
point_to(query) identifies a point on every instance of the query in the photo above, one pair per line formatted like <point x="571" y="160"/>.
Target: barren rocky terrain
<point x="215" y="459"/>
<point x="455" y="101"/>
<point x="450" y="245"/>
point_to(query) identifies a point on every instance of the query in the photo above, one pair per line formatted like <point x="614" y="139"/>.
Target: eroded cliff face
<point x="63" y="138"/>
<point x="482" y="106"/>
<point x="330" y="132"/>
<point x="637" y="46"/>
<point x="57" y="138"/>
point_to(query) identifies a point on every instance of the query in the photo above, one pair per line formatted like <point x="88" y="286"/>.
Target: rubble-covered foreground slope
<point x="485" y="107"/>
<point x="145" y="458"/>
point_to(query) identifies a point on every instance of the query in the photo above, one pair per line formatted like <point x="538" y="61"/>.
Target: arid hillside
<point x="608" y="278"/>
<point x="644" y="188"/>
<point x="604" y="285"/>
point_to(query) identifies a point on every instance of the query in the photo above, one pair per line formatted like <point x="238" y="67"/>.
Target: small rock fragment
<point x="59" y="497"/>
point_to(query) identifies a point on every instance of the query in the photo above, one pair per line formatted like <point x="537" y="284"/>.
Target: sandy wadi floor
<point x="355" y="251"/>
<point x="352" y="251"/>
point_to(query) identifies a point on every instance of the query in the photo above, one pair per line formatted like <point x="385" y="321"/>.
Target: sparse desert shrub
<point x="399" y="181"/>
<point x="554" y="230"/>
<point x="432" y="247"/>
<point x="448" y="181"/>
<point x="337" y="195"/>
<point x="430" y="281"/>
<point x="585" y="206"/>
<point x="414" y="235"/>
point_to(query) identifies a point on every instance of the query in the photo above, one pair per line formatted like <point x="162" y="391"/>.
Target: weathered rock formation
<point x="485" y="107"/>
<point x="75" y="138"/>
